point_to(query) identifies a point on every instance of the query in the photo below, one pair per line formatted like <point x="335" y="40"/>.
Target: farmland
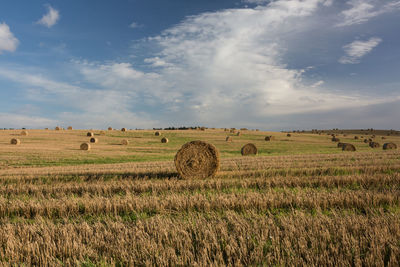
<point x="300" y="201"/>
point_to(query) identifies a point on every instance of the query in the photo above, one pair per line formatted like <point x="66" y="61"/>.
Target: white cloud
<point x="51" y="18"/>
<point x="319" y="83"/>
<point x="8" y="42"/>
<point x="13" y="120"/>
<point x="363" y="10"/>
<point x="134" y="25"/>
<point x="357" y="49"/>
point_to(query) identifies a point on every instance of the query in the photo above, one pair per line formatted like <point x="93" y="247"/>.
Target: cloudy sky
<point x="273" y="65"/>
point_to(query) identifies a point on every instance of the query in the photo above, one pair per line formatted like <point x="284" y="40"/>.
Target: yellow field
<point x="301" y="201"/>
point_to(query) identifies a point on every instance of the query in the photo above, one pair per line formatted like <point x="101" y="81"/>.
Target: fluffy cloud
<point x="50" y="18"/>
<point x="361" y="11"/>
<point x="8" y="42"/>
<point x="357" y="49"/>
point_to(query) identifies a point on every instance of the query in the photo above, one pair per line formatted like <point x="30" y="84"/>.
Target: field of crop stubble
<point x="300" y="201"/>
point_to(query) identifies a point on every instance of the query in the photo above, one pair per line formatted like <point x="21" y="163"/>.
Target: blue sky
<point x="272" y="65"/>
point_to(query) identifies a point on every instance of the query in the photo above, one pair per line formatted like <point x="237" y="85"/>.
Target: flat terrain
<point x="300" y="201"/>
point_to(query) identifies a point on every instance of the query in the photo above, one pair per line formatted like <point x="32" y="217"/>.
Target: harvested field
<point x="300" y="201"/>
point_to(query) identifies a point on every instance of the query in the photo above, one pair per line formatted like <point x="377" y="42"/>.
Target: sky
<point x="271" y="65"/>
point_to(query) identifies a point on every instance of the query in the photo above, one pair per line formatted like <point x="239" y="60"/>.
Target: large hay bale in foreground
<point x="164" y="140"/>
<point x="15" y="141"/>
<point x="90" y="134"/>
<point x="69" y="128"/>
<point x="348" y="147"/>
<point x="85" y="146"/>
<point x="374" y="145"/>
<point x="124" y="142"/>
<point x="157" y="133"/>
<point x="123" y="129"/>
<point x="94" y="140"/>
<point x="229" y="139"/>
<point x="197" y="159"/>
<point x="24" y="133"/>
<point x="388" y="146"/>
<point x="249" y="149"/>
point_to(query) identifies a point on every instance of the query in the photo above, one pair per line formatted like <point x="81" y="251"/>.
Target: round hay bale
<point x="370" y="140"/>
<point x="374" y="145"/>
<point x="288" y="135"/>
<point x="334" y="139"/>
<point x="366" y="141"/>
<point x="102" y="133"/>
<point x="94" y="140"/>
<point x="24" y="133"/>
<point x="388" y="146"/>
<point x="348" y="147"/>
<point x="202" y="128"/>
<point x="69" y="128"/>
<point x="355" y="137"/>
<point x="197" y="159"/>
<point x="123" y="129"/>
<point x="124" y="142"/>
<point x="249" y="149"/>
<point x="46" y="128"/>
<point x="15" y="141"/>
<point x="85" y="146"/>
<point x="238" y="134"/>
<point x="157" y="133"/>
<point x="268" y="138"/>
<point x="57" y="128"/>
<point x="90" y="134"/>
<point x="164" y="140"/>
<point x="226" y="130"/>
<point x="110" y="128"/>
<point x="340" y="145"/>
<point x="229" y="139"/>
<point x="383" y="138"/>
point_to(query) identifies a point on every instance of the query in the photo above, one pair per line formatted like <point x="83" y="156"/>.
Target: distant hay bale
<point x="123" y="129"/>
<point x="226" y="130"/>
<point x="340" y="145"/>
<point x="90" y="134"/>
<point x="15" y="141"/>
<point x="46" y="128"/>
<point x="157" y="133"/>
<point x="249" y="149"/>
<point x="366" y="141"/>
<point x="197" y="159"/>
<point x="110" y="128"/>
<point x="164" y="140"/>
<point x="268" y="138"/>
<point x="356" y="138"/>
<point x="94" y="140"/>
<point x="374" y="145"/>
<point x="228" y="139"/>
<point x="238" y="134"/>
<point x="69" y="127"/>
<point x="288" y="135"/>
<point x="24" y="133"/>
<point x="85" y="146"/>
<point x="124" y="142"/>
<point x="335" y="139"/>
<point x="348" y="147"/>
<point x="58" y="128"/>
<point x="388" y="146"/>
<point x="202" y="128"/>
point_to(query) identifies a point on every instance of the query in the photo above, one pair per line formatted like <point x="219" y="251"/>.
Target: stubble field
<point x="300" y="201"/>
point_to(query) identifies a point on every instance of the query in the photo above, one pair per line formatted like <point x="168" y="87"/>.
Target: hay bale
<point x="366" y="141"/>
<point x="197" y="159"/>
<point x="388" y="146"/>
<point x="288" y="135"/>
<point x="383" y="138"/>
<point x="268" y="138"/>
<point x="202" y="128"/>
<point x="340" y="145"/>
<point x="85" y="146"/>
<point x="123" y="129"/>
<point x="69" y="128"/>
<point x="355" y="137"/>
<point x="24" y="133"/>
<point x="46" y="128"/>
<point x="157" y="133"/>
<point x="94" y="140"/>
<point x="348" y="147"/>
<point x="226" y="130"/>
<point x="15" y="141"/>
<point x="335" y="139"/>
<point x="229" y="139"/>
<point x="249" y="149"/>
<point x="164" y="140"/>
<point x="110" y="128"/>
<point x="374" y="145"/>
<point x="58" y="128"/>
<point x="124" y="142"/>
<point x="90" y="134"/>
<point x="232" y="131"/>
